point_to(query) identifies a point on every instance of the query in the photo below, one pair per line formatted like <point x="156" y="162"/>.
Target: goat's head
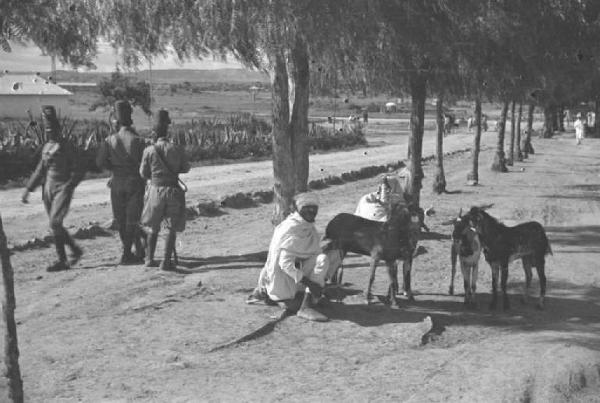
<point x="462" y="234"/>
<point x="477" y="215"/>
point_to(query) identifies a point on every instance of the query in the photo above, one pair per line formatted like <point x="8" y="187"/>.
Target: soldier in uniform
<point x="162" y="163"/>
<point x="121" y="153"/>
<point x="60" y="173"/>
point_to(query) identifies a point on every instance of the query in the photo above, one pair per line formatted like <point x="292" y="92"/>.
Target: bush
<point x="233" y="137"/>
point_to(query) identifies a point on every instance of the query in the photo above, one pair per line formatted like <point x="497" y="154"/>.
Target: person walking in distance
<point x="121" y="153"/>
<point x="59" y="173"/>
<point x="165" y="198"/>
<point x="579" y="129"/>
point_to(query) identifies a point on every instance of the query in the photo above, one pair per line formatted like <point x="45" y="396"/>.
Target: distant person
<point x="59" y="172"/>
<point x="579" y="129"/>
<point x="165" y="199"/>
<point x="365" y="116"/>
<point x="484" y="123"/>
<point x="121" y="153"/>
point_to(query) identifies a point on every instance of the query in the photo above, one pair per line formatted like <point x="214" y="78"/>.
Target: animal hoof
<point x="451" y="291"/>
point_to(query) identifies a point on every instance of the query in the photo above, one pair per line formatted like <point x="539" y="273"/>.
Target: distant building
<point x="22" y="92"/>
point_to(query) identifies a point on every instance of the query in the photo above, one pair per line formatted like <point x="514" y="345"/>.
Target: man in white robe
<point x="295" y="262"/>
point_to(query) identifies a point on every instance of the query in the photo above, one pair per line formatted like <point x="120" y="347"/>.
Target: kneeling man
<point x="295" y="262"/>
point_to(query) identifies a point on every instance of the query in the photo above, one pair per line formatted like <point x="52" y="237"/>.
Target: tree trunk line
<point x="499" y="164"/>
<point x="473" y="176"/>
<point x="439" y="182"/>
<point x="11" y="347"/>
<point x="418" y="84"/>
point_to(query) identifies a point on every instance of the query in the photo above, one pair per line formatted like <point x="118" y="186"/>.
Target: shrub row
<point x="234" y="137"/>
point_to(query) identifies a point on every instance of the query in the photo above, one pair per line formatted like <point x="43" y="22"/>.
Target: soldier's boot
<point x="128" y="257"/>
<point x="138" y="241"/>
<point x="59" y="243"/>
<point x="76" y="251"/>
<point x="167" y="263"/>
<point x="150" y="249"/>
<point x="307" y="310"/>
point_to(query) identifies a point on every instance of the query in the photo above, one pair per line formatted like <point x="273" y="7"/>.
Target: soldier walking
<point x="121" y="153"/>
<point x="165" y="199"/>
<point x="59" y="173"/>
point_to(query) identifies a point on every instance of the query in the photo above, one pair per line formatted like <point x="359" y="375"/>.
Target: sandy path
<point x="109" y="333"/>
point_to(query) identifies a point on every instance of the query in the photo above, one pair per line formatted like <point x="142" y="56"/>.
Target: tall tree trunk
<point x="596" y="111"/>
<point x="415" y="142"/>
<point x="560" y="118"/>
<point x="439" y="182"/>
<point x="499" y="163"/>
<point x="518" y="142"/>
<point x="548" y="129"/>
<point x="299" y="71"/>
<point x="283" y="159"/>
<point x="11" y="345"/>
<point x="511" y="151"/>
<point x="473" y="176"/>
<point x="527" y="148"/>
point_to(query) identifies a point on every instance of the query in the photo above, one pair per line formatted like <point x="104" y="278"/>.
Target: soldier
<point x="121" y="153"/>
<point x="165" y="198"/>
<point x="59" y="172"/>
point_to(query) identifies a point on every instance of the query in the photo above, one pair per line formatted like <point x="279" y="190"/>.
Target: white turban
<point x="306" y="199"/>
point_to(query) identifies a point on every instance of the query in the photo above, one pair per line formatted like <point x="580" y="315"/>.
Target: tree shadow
<point x="571" y="310"/>
<point x="232" y="262"/>
<point x="586" y="238"/>
<point x="434" y="236"/>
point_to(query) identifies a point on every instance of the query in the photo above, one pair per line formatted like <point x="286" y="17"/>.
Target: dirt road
<point x="107" y="333"/>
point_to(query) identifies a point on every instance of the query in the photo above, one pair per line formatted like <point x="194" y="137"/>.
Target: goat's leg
<point x="542" y="276"/>
<point x="393" y="289"/>
<point x="373" y="266"/>
<point x="495" y="273"/>
<point x="527" y="264"/>
<point x="406" y="268"/>
<point x="466" y="273"/>
<point x="504" y="278"/>
<point x="453" y="256"/>
<point x="474" y="274"/>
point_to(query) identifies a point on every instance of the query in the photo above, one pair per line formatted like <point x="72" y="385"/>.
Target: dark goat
<point x="466" y="246"/>
<point x="502" y="245"/>
<point x="389" y="241"/>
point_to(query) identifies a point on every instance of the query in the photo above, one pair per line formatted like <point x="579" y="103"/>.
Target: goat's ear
<point x="486" y="206"/>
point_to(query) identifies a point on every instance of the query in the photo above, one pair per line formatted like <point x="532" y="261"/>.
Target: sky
<point x="30" y="58"/>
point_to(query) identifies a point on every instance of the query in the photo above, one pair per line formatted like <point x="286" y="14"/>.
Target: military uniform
<point x="121" y="153"/>
<point x="165" y="199"/>
<point x="59" y="172"/>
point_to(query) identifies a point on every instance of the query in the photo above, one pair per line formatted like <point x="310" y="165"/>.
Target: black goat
<point x="389" y="241"/>
<point x="502" y="245"/>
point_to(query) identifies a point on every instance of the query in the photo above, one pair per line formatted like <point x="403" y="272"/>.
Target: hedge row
<point x="235" y="137"/>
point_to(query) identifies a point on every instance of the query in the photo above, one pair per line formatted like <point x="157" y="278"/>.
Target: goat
<point x="389" y="241"/>
<point x="467" y="248"/>
<point x="502" y="245"/>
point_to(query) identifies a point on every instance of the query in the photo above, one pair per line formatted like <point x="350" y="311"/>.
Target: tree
<point x="121" y="87"/>
<point x="439" y="182"/>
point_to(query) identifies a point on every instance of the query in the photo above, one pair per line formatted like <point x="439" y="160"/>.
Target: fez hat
<point x="162" y="118"/>
<point x="123" y="111"/>
<point x="50" y="120"/>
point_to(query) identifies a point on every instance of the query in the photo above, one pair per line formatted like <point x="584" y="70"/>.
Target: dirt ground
<point x="103" y="332"/>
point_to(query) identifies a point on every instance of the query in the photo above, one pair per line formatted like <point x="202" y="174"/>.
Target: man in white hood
<point x="295" y="261"/>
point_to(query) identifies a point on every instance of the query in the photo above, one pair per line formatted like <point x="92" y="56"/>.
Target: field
<point x="104" y="332"/>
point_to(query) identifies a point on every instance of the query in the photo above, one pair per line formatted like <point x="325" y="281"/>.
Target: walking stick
<point x="11" y="348"/>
